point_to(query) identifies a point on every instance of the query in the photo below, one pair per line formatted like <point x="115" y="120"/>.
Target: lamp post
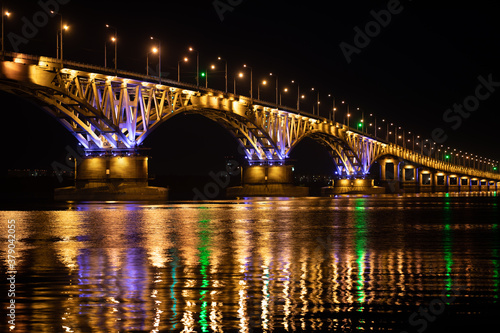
<point x="284" y="90"/>
<point x="114" y="39"/>
<point x="197" y="65"/>
<point x="331" y="115"/>
<point x="264" y="82"/>
<point x="239" y="75"/>
<point x="277" y="89"/>
<point x="179" y="68"/>
<point x="298" y="95"/>
<point x="59" y="36"/>
<point x="251" y="80"/>
<point x="4" y="13"/>
<point x="375" y="125"/>
<point x="225" y="70"/>
<point x="362" y="122"/>
<point x="147" y="61"/>
<point x="317" y="102"/>
<point x="153" y="50"/>
<point x="159" y="57"/>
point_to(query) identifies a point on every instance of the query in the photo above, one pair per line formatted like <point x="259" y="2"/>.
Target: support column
<point x="111" y="178"/>
<point x="464" y="184"/>
<point x="475" y="184"/>
<point x="483" y="185"/>
<point x="491" y="185"/>
<point x="440" y="181"/>
<point x="453" y="183"/>
<point x="425" y="180"/>
<point x="390" y="175"/>
<point x="409" y="179"/>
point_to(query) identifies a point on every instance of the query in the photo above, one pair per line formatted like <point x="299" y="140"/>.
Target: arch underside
<point x="344" y="158"/>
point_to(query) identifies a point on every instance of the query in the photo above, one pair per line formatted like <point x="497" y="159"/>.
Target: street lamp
<point x="114" y="39"/>
<point x="159" y="57"/>
<point x="240" y="75"/>
<point x="179" y="68"/>
<point x="251" y="80"/>
<point x="331" y="115"/>
<point x="154" y="50"/>
<point x="284" y="90"/>
<point x="225" y="70"/>
<point x="264" y="82"/>
<point x="277" y="89"/>
<point x="197" y="65"/>
<point x="4" y="13"/>
<point x="375" y="124"/>
<point x="298" y="95"/>
<point x="312" y="89"/>
<point x="361" y="124"/>
<point x="59" y="36"/>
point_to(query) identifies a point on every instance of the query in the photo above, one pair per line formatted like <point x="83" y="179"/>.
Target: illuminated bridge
<point x="111" y="113"/>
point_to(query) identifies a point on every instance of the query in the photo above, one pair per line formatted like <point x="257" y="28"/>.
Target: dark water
<point x="388" y="263"/>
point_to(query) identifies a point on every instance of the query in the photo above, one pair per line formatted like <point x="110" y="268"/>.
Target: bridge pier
<point x="464" y="184"/>
<point x="475" y="184"/>
<point x="111" y="178"/>
<point x="390" y="174"/>
<point x="267" y="181"/>
<point x="453" y="184"/>
<point x="352" y="186"/>
<point x="410" y="179"/>
<point x="440" y="182"/>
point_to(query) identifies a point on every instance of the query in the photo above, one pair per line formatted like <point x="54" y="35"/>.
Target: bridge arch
<point x="345" y="159"/>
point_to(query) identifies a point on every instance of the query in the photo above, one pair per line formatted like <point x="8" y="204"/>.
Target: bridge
<point x="111" y="113"/>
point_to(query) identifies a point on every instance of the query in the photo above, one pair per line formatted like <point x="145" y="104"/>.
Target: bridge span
<point x="111" y="113"/>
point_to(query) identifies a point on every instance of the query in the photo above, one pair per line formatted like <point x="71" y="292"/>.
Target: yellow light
<point x="66" y="27"/>
<point x="240" y="74"/>
<point x="7" y="13"/>
<point x="113" y="39"/>
<point x="264" y="82"/>
<point x="155" y="50"/>
<point x="285" y="90"/>
<point x="186" y="59"/>
<point x="213" y="66"/>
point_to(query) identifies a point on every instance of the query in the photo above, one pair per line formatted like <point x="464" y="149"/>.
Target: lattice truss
<point x="107" y="112"/>
<point x="365" y="148"/>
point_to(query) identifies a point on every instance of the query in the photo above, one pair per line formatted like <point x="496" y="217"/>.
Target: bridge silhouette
<point x="111" y="113"/>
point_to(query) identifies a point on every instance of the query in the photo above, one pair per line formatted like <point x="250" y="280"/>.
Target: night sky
<point x="417" y="65"/>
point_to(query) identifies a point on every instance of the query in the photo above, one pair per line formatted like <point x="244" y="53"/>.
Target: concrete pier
<point x="112" y="178"/>
<point x="267" y="180"/>
<point x="353" y="186"/>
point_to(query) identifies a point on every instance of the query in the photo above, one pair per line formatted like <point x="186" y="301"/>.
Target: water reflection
<point x="343" y="264"/>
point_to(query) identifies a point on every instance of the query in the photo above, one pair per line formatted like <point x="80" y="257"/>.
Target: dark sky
<point x="411" y="71"/>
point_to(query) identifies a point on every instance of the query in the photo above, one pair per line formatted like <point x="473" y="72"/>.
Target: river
<point x="407" y="263"/>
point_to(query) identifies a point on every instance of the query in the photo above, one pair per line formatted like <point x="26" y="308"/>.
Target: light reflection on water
<point x="344" y="264"/>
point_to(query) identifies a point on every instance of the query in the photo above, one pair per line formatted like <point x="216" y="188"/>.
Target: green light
<point x="447" y="157"/>
<point x="360" y="124"/>
<point x="202" y="74"/>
